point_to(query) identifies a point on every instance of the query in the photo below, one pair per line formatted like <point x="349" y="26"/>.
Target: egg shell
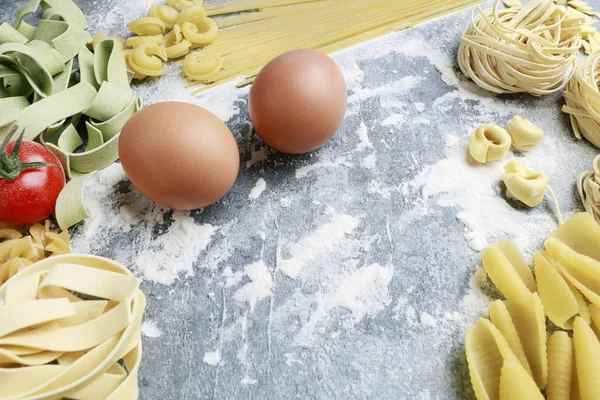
<point x="179" y="155"/>
<point x="298" y="101"/>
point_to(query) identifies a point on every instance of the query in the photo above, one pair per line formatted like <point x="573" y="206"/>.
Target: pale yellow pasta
<point x="575" y="393"/>
<point x="191" y="14"/>
<point x="587" y="349"/>
<point x="488" y="143"/>
<point x="588" y="185"/>
<point x="504" y="273"/>
<point x="595" y="318"/>
<point x="524" y="134"/>
<point x="147" y="26"/>
<point x="524" y="184"/>
<point x="202" y="66"/>
<point x="174" y="43"/>
<point x="512" y="252"/>
<point x="147" y="59"/>
<point x="189" y="3"/>
<point x="136" y="75"/>
<point x="560" y="365"/>
<point x="516" y="383"/>
<point x="583" y="272"/>
<point x="502" y="320"/>
<point x="54" y="344"/>
<point x="136" y="41"/>
<point x="486" y="351"/>
<point x="100" y="36"/>
<point x="558" y="299"/>
<point x="527" y="314"/>
<point x="200" y="32"/>
<point x="167" y="14"/>
<point x="580" y="234"/>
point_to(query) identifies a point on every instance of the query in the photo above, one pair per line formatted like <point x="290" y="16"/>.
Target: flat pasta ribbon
<point x="588" y="185"/>
<point x="58" y="342"/>
<point x="530" y="49"/>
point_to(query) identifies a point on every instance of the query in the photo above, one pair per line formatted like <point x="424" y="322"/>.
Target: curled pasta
<point x="191" y="14"/>
<point x="189" y="3"/>
<point x="202" y="66"/>
<point x="489" y="142"/>
<point x="136" y="75"/>
<point x="201" y="31"/>
<point x="147" y="26"/>
<point x="506" y="268"/>
<point x="582" y="99"/>
<point x="588" y="185"/>
<point x="525" y="184"/>
<point x="174" y="43"/>
<point x="86" y="348"/>
<point x="531" y="49"/>
<point x="167" y="14"/>
<point x="136" y="41"/>
<point x="147" y="59"/>
<point x="524" y="134"/>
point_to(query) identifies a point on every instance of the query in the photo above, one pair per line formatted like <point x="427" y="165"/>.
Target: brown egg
<point x="298" y="101"/>
<point x="179" y="155"/>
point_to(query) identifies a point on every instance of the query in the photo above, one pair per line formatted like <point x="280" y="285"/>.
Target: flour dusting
<point x="150" y="329"/>
<point x="212" y="358"/>
<point x="259" y="286"/>
<point x="258" y="189"/>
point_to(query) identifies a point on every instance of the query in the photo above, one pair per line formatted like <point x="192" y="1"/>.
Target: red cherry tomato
<point x="31" y="196"/>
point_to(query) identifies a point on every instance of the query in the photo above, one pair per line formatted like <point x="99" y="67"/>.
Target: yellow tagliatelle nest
<point x="202" y="66"/>
<point x="529" y="49"/>
<point x="588" y="185"/>
<point x="70" y="327"/>
<point x="582" y="99"/>
<point x="509" y="355"/>
<point x="17" y="252"/>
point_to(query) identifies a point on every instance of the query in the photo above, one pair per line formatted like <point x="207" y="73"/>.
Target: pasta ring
<point x="147" y="26"/>
<point x="169" y="15"/>
<point x="191" y="14"/>
<point x="525" y="184"/>
<point x="525" y="135"/>
<point x="100" y="36"/>
<point x="489" y="142"/>
<point x="148" y="59"/>
<point x="201" y="66"/>
<point x="136" y="41"/>
<point x="201" y="31"/>
<point x="174" y="43"/>
<point x="189" y="3"/>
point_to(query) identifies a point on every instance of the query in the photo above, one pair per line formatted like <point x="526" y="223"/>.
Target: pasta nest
<point x="529" y="49"/>
<point x="582" y="99"/>
<point x="588" y="185"/>
<point x="70" y="327"/>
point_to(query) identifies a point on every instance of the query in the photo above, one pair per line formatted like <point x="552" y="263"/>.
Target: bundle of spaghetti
<point x="326" y="25"/>
<point x="530" y="49"/>
<point x="588" y="185"/>
<point x="249" y="5"/>
<point x="583" y="100"/>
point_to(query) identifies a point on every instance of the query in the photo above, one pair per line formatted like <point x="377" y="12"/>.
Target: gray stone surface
<point x="355" y="322"/>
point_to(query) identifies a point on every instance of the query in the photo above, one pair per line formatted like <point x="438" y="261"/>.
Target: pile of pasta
<point x="582" y="99"/>
<point x="530" y="48"/>
<point x="70" y="327"/>
<point x="18" y="252"/>
<point x="588" y="185"/>
<point x="509" y="354"/>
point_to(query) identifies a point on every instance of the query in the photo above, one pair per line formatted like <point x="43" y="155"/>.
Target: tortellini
<point x="146" y="26"/>
<point x="525" y="184"/>
<point x="202" y="66"/>
<point x="525" y="135"/>
<point x="489" y="142"/>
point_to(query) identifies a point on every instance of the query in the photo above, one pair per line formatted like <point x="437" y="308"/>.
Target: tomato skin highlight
<point x="31" y="197"/>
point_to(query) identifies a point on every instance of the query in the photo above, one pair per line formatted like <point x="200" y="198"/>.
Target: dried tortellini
<point x="508" y="355"/>
<point x="525" y="135"/>
<point x="525" y="184"/>
<point x="489" y="142"/>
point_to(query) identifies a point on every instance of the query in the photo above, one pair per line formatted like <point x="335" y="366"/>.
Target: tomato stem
<point x="11" y="165"/>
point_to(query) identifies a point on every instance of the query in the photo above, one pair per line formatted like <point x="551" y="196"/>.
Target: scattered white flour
<point x="427" y="319"/>
<point x="369" y="161"/>
<point x="452" y="140"/>
<point x="476" y="303"/>
<point x="425" y="395"/>
<point x="303" y="172"/>
<point x="320" y="242"/>
<point x="420" y="107"/>
<point x="232" y="278"/>
<point x="246" y="380"/>
<point x="394" y="120"/>
<point x="258" y="189"/>
<point x="285" y="202"/>
<point x="363" y="137"/>
<point x="420" y="121"/>
<point x="212" y="358"/>
<point x="259" y="286"/>
<point x="150" y="329"/>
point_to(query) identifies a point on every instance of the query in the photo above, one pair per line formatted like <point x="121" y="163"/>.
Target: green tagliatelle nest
<point x="77" y="113"/>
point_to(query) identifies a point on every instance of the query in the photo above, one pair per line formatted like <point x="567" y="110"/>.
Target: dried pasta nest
<point x="583" y="100"/>
<point x="521" y="49"/>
